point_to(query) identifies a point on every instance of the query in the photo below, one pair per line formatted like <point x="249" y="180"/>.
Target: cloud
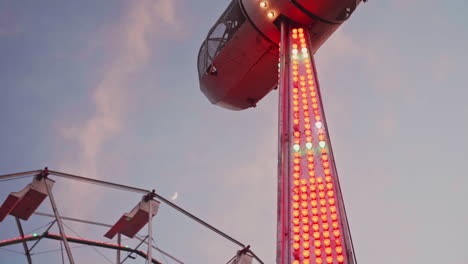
<point x="131" y="49"/>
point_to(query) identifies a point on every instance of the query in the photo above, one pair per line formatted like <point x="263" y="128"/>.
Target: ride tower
<point x="238" y="66"/>
<point x="312" y="222"/>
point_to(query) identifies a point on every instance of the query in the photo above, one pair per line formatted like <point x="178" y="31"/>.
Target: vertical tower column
<point x="312" y="223"/>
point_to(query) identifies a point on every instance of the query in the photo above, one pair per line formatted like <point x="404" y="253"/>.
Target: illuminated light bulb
<point x="317" y="243"/>
<point x="304" y="212"/>
<point x="297" y="168"/>
<point x="306" y="253"/>
<point x="318" y="124"/>
<point x="300" y="30"/>
<point x="296" y="205"/>
<point x="301" y="35"/>
<point x="315" y="227"/>
<point x="331" y="201"/>
<point x="318" y="252"/>
<point x="322" y="194"/>
<point x="296" y="182"/>
<point x="306" y="245"/>
<point x="271" y="14"/>
<point x="325" y="226"/>
<point x="295" y="90"/>
<point x="296" y="221"/>
<point x="339" y="250"/>
<point x="304" y="197"/>
<point x="305" y="237"/>
<point x="296" y="160"/>
<point x="313" y="195"/>
<point x="322" y="202"/>
<point x="304" y="204"/>
<point x="309" y="145"/>
<point x="335" y="225"/>
<point x="312" y="187"/>
<point x="321" y="187"/>
<point x="324" y="218"/>
<point x="296" y="246"/>
<point x="318" y="261"/>
<point x="315" y="219"/>
<point x="306" y="261"/>
<point x="263" y="4"/>
<point x="327" y="171"/>
<point x="338" y="241"/>
<point x="317" y="118"/>
<point x="329" y="260"/>
<point x="296" y="238"/>
<point x="296" y="109"/>
<point x="340" y="259"/>
<point x="296" y="229"/>
<point x="315" y="106"/>
<point x="296" y="175"/>
<point x="303" y="181"/>
<point x="296" y="197"/>
<point x="294" y="30"/>
<point x="333" y="209"/>
<point x="314" y="211"/>
<point x="327" y="242"/>
<point x="330" y="193"/>
<point x="304" y="50"/>
<point x="316" y="235"/>
<point x="296" y="213"/>
<point x="324" y="157"/>
<point x="306" y="55"/>
<point x="305" y="228"/>
<point x="310" y="158"/>
<point x="296" y="147"/>
<point x="312" y="174"/>
<point x="326" y="234"/>
<point x="295" y="102"/>
<point x="305" y="220"/>
<point x="294" y="36"/>
<point x="294" y="51"/>
<point x="310" y="166"/>
<point x="336" y="233"/>
<point x="321" y="137"/>
<point x="319" y="179"/>
<point x="334" y="216"/>
<point x="323" y="210"/>
<point x="322" y="144"/>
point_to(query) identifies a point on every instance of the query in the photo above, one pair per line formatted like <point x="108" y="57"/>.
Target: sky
<point x="109" y="90"/>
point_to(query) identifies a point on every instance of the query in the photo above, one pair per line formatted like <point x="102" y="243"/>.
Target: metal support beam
<point x="283" y="148"/>
<point x="59" y="223"/>
<point x="45" y="232"/>
<point x="119" y="241"/>
<point x="19" y="174"/>
<point x="25" y="245"/>
<point x="150" y="231"/>
<point x="143" y="191"/>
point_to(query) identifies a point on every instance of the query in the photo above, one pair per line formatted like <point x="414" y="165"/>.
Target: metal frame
<point x="58" y="218"/>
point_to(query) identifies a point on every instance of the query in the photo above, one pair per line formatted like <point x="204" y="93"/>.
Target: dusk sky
<point x="109" y="90"/>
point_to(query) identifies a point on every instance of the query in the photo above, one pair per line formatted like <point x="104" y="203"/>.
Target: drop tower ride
<point x="238" y="65"/>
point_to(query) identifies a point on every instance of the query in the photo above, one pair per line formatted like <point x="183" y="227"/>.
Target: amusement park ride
<point x="238" y="65"/>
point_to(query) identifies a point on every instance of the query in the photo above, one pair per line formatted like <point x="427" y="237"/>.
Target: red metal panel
<point x="116" y="228"/>
<point x="136" y="223"/>
<point x="8" y="206"/>
<point x="28" y="204"/>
